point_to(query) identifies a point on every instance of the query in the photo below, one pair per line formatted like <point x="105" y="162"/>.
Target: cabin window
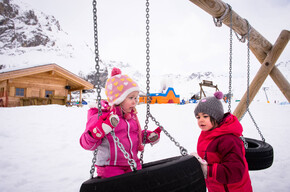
<point x="19" y="92"/>
<point x="47" y="93"/>
<point x="2" y="92"/>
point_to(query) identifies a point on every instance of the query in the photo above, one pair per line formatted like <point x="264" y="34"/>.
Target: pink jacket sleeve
<point x="86" y="140"/>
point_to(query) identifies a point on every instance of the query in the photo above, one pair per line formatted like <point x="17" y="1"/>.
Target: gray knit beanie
<point x="211" y="106"/>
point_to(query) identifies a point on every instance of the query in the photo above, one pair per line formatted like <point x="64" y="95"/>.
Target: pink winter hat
<point x="119" y="86"/>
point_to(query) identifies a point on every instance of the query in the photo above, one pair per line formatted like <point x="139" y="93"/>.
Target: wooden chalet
<point x="39" y="85"/>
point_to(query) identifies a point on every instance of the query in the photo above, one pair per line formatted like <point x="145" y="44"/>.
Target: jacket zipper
<point x="130" y="139"/>
<point x="226" y="188"/>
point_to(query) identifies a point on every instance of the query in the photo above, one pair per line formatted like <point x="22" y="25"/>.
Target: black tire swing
<point x="179" y="174"/>
<point x="259" y="154"/>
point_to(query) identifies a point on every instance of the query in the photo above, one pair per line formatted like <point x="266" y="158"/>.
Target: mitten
<point x="203" y="164"/>
<point x="106" y="123"/>
<point x="154" y="136"/>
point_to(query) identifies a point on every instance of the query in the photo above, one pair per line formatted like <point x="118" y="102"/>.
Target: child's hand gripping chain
<point x="106" y="123"/>
<point x="154" y="136"/>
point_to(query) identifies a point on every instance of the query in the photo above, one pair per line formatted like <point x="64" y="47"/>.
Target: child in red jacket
<point x="223" y="154"/>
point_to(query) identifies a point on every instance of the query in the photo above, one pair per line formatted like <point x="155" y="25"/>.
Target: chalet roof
<point x="74" y="81"/>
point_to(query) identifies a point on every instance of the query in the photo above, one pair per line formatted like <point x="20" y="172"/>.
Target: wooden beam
<point x="259" y="46"/>
<point x="263" y="72"/>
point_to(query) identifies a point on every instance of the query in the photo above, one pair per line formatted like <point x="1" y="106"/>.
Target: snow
<point x="39" y="145"/>
<point x="40" y="151"/>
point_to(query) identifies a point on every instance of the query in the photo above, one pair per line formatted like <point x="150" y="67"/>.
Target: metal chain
<point x="230" y="60"/>
<point x="246" y="145"/>
<point x="183" y="151"/>
<point x="248" y="84"/>
<point x="98" y="78"/>
<point x="147" y="78"/>
<point x="243" y="37"/>
<point x="218" y="21"/>
<point x="131" y="162"/>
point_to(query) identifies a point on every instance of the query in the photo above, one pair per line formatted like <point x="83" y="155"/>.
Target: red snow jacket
<point x="225" y="153"/>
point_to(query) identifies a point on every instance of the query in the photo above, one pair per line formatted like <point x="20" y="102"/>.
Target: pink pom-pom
<point x="116" y="71"/>
<point x="218" y="95"/>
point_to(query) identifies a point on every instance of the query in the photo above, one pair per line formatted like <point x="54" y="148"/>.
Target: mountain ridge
<point x="30" y="37"/>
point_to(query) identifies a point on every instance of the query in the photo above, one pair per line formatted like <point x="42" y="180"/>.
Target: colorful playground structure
<point x="168" y="97"/>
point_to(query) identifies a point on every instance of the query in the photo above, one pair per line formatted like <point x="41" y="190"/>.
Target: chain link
<point x="219" y="21"/>
<point x="131" y="162"/>
<point x="98" y="78"/>
<point x="243" y="37"/>
<point x="183" y="151"/>
<point x="230" y="60"/>
<point x="248" y="84"/>
<point x="147" y="78"/>
<point x="246" y="145"/>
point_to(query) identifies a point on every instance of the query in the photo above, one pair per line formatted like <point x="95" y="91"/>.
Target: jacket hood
<point x="229" y="125"/>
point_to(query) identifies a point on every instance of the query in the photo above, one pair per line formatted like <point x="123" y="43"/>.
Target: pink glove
<point x="106" y="123"/>
<point x="154" y="136"/>
<point x="202" y="162"/>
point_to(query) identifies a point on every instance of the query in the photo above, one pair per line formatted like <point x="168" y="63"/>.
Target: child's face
<point x="203" y="121"/>
<point x="130" y="102"/>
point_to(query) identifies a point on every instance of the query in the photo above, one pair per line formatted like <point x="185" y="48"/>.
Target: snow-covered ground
<point x="40" y="151"/>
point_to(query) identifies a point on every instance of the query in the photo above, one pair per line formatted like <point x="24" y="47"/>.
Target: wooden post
<point x="81" y="98"/>
<point x="259" y="46"/>
<point x="263" y="72"/>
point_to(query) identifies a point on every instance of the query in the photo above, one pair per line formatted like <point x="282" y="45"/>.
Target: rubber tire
<point x="178" y="174"/>
<point x="259" y="154"/>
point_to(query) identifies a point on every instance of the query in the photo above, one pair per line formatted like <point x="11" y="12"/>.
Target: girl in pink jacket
<point x="119" y="115"/>
<point x="220" y="150"/>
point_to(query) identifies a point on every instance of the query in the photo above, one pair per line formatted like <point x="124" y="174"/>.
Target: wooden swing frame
<point x="206" y="83"/>
<point x="266" y="53"/>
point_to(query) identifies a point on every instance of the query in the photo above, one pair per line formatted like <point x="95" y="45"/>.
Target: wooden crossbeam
<point x="263" y="72"/>
<point x="259" y="46"/>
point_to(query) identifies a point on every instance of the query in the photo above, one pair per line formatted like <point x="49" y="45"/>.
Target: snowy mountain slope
<point x="30" y="37"/>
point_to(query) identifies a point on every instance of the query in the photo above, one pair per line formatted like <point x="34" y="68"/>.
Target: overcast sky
<point x="183" y="37"/>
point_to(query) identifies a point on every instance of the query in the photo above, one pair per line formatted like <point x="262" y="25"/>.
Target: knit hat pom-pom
<point x="218" y="95"/>
<point x="115" y="71"/>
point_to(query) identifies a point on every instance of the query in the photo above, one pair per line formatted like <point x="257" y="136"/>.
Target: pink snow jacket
<point x="108" y="153"/>
<point x="225" y="153"/>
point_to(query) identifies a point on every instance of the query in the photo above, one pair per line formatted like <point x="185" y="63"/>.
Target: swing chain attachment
<point x="248" y="83"/>
<point x="219" y="21"/>
<point x="243" y="37"/>
<point x="230" y="62"/>
<point x="131" y="162"/>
